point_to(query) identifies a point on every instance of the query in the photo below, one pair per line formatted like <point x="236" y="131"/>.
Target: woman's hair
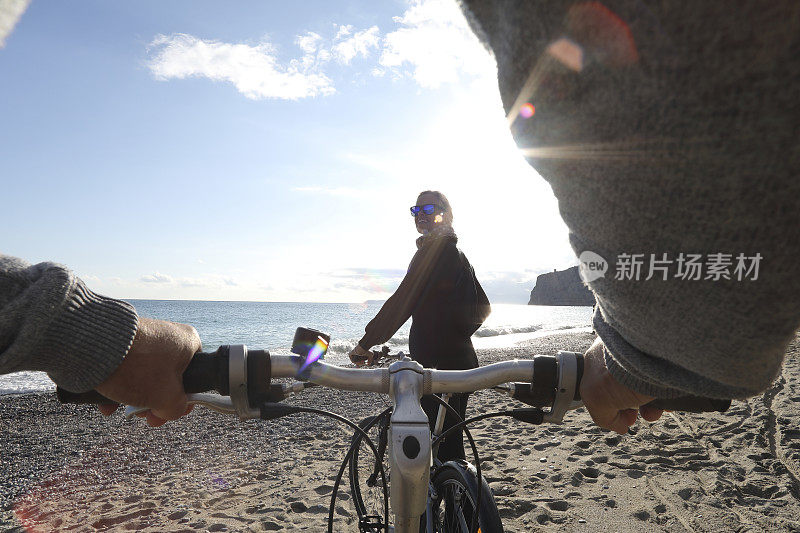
<point x="442" y="202"/>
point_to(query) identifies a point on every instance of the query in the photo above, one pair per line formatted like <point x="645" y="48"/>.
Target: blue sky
<point x="259" y="150"/>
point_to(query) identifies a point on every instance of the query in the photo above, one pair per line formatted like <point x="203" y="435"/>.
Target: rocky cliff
<point x="562" y="287"/>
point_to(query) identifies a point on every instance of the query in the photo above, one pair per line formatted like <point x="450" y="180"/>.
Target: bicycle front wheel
<point x="455" y="489"/>
<point x="364" y="473"/>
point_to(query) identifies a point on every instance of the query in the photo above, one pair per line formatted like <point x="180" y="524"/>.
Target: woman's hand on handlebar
<point x="611" y="405"/>
<point x="360" y="356"/>
<point x="151" y="374"/>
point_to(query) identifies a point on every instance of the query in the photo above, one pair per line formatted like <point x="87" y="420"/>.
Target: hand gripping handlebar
<point x="246" y="376"/>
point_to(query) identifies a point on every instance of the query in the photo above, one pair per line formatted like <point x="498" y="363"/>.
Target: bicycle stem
<point x="410" y="450"/>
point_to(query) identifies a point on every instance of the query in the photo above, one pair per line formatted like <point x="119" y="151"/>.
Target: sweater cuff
<point x="92" y="335"/>
<point x="619" y="355"/>
<point x="364" y="344"/>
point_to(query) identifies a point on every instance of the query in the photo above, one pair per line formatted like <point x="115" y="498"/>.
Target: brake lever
<point x="224" y="404"/>
<point x="221" y="404"/>
<point x="569" y="376"/>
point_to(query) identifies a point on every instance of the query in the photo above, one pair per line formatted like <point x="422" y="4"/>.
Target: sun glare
<point x="527" y="110"/>
<point x="499" y="201"/>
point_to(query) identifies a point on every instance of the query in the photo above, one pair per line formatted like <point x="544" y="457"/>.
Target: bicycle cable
<point x="517" y="414"/>
<point x="280" y="410"/>
<point x="475" y="518"/>
<point x="348" y="457"/>
<point x="530" y="415"/>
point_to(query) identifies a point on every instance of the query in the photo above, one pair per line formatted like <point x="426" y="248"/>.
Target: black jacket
<point x="438" y="336"/>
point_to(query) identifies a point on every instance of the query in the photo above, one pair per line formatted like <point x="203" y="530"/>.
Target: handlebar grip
<point x="208" y="371"/>
<point x="91" y="397"/>
<point x="691" y="404"/>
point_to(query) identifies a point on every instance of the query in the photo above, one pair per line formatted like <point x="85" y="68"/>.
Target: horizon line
<point x="273" y="302"/>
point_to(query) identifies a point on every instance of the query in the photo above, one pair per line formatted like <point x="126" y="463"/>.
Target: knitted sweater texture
<point x="50" y="321"/>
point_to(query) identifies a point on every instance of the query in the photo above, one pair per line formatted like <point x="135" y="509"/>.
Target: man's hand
<point x="151" y="375"/>
<point x="612" y="405"/>
<point x="360" y="356"/>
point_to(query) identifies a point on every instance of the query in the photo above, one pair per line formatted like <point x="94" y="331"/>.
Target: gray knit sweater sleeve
<point x="50" y="321"/>
<point x="667" y="128"/>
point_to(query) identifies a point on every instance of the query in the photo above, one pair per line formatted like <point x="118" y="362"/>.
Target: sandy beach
<point x="67" y="468"/>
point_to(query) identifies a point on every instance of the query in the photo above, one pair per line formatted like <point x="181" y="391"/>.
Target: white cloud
<point x="507" y="287"/>
<point x="212" y="281"/>
<point x="253" y="69"/>
<point x="309" y="43"/>
<point x="193" y="282"/>
<point x="10" y="13"/>
<point x="432" y="44"/>
<point x="344" y="31"/>
<point x="335" y="191"/>
<point x="436" y="43"/>
<point x="90" y="278"/>
<point x="156" y="278"/>
<point x="314" y="54"/>
<point x="347" y="47"/>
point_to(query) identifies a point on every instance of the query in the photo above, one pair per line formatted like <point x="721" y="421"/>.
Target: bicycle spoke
<point x="453" y="508"/>
<point x="365" y="480"/>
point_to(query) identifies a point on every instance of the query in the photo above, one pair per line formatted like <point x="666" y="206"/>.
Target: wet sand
<point x="67" y="468"/>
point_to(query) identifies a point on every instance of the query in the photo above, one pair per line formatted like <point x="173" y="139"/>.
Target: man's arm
<point x="51" y="322"/>
<point x="151" y="374"/>
<point x="643" y="131"/>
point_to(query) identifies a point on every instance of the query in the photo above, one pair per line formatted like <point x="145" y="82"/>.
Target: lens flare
<point x="527" y="110"/>
<point x="438" y="218"/>
<point x="316" y="353"/>
<point x="568" y="52"/>
<point x="217" y="481"/>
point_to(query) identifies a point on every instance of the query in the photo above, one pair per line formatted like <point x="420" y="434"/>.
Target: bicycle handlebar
<point x="538" y="377"/>
<point x="246" y="378"/>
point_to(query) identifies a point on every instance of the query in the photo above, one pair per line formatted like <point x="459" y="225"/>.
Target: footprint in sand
<point x="590" y="472"/>
<point x="559" y="505"/>
<point x="269" y="525"/>
<point x="323" y="489"/>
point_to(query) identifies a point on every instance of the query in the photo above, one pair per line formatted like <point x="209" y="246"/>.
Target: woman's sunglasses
<point x="428" y="209"/>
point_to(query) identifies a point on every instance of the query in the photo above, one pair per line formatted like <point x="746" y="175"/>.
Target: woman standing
<point x="446" y="303"/>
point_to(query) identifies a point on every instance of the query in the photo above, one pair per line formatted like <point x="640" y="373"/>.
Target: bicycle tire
<point x="365" y="481"/>
<point x="453" y="501"/>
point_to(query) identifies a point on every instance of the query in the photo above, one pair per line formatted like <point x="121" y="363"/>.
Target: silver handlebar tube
<point x="335" y="377"/>
<point x="481" y="378"/>
<point x="377" y="379"/>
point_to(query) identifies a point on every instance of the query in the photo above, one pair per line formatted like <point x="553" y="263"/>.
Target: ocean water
<point x="271" y="326"/>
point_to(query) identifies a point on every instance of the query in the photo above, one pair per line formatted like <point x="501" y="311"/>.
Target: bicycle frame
<point x="441" y="414"/>
<point x="439" y="425"/>
<point x="406" y="381"/>
<point x="436" y="432"/>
